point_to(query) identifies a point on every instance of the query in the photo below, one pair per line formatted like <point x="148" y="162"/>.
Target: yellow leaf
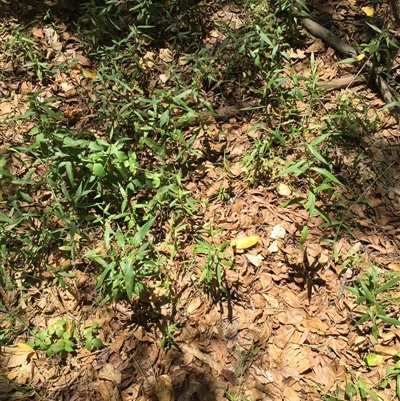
<point x="87" y="73"/>
<point x="25" y="347"/>
<point x="360" y="56"/>
<point x="245" y="242"/>
<point x="369" y="11"/>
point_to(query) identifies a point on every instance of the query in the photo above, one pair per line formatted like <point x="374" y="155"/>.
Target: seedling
<point x="168" y="332"/>
<point x="54" y="340"/>
<point x="90" y="335"/>
<point x="373" y="292"/>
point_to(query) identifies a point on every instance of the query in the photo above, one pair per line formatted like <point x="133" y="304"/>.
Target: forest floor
<point x="192" y="216"/>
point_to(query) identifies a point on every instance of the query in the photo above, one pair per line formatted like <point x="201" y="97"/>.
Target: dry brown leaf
<point x="164" y="389"/>
<point x="315" y="325"/>
<point x="111" y="373"/>
<point x="107" y="391"/>
<point x="12" y="357"/>
<point x="385" y="351"/>
<point x="254" y="394"/>
<point x="202" y="357"/>
<point x="193" y="305"/>
<point x="283" y="336"/>
<point x="278" y="232"/>
<point x="273" y="247"/>
<point x="166" y="55"/>
<point x="291" y="299"/>
<point x="38" y="32"/>
<point x="317" y="46"/>
<point x="290" y="394"/>
<point x="255" y="260"/>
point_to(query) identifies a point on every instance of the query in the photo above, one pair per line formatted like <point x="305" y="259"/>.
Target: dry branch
<point x="348" y="51"/>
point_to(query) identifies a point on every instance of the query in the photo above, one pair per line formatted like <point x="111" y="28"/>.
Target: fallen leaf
<point x="164" y="78"/>
<point x="273" y="247"/>
<point x="369" y="11"/>
<point x="245" y="242"/>
<point x="88" y="73"/>
<point x="110" y="373"/>
<point x="373" y="360"/>
<point x="164" y="389"/>
<point x="38" y="32"/>
<point x="166" y="55"/>
<point x="283" y="189"/>
<point x="193" y="305"/>
<point x="278" y="232"/>
<point x="255" y="259"/>
<point x="12" y="357"/>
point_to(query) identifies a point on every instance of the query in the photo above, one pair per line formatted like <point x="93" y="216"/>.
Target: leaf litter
<point x="286" y="328"/>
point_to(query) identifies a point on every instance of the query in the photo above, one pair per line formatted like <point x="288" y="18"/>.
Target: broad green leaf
<point x="316" y="154"/>
<point x="311" y="203"/>
<point x="88" y="345"/>
<point x="304" y="234"/>
<point x="389" y="320"/>
<point x="98" y="170"/>
<point x="294" y="201"/>
<point x="326" y="174"/>
<point x="372" y="360"/>
<point x="142" y="232"/>
<point x="372" y="394"/>
<point x="319" y="139"/>
<point x="387" y="285"/>
<point x="398" y="386"/>
<point x="58" y="346"/>
<point x="97" y="342"/>
<point x="293" y="168"/>
<point x="367" y="292"/>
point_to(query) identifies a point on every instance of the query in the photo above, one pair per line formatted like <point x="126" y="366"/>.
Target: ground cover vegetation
<point x="198" y="201"/>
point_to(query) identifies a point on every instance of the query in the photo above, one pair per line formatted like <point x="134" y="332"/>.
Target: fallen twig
<point x="348" y="51"/>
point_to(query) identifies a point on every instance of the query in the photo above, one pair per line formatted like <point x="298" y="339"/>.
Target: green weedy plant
<point x="373" y="292"/>
<point x="53" y="340"/>
<point x="25" y="50"/>
<point x="392" y="377"/>
<point x="124" y="272"/>
<point x="215" y="261"/>
<point x="168" y="331"/>
<point x="91" y="341"/>
<point x="355" y="387"/>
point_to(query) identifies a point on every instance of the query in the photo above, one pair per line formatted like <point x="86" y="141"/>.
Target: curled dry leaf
<point x="323" y="259"/>
<point x="110" y="373"/>
<point x="193" y="305"/>
<point x="273" y="247"/>
<point x="283" y="189"/>
<point x="37" y="32"/>
<point x="255" y="259"/>
<point x="166" y="55"/>
<point x="278" y="232"/>
<point x="163" y="78"/>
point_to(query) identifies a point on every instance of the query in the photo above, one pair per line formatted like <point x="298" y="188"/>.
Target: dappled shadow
<point x="109" y="23"/>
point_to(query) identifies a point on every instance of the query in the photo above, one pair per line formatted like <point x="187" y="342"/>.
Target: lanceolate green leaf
<point x="326" y="174"/>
